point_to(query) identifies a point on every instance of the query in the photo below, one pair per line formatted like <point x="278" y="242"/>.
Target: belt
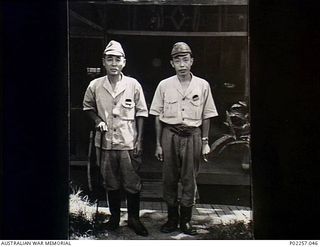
<point x="181" y="130"/>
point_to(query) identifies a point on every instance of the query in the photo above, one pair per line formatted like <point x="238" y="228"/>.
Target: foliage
<point x="83" y="219"/>
<point x="234" y="231"/>
<point x="237" y="122"/>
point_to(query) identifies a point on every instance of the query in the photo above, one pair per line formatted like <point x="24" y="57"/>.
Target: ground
<point x="211" y="223"/>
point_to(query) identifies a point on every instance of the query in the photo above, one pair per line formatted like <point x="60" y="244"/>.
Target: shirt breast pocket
<point x="170" y="108"/>
<point x="127" y="110"/>
<point x="194" y="109"/>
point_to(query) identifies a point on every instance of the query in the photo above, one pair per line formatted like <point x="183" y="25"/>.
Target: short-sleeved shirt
<point x="118" y="109"/>
<point x="174" y="106"/>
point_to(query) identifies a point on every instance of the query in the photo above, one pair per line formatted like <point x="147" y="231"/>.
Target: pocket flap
<point x="128" y="104"/>
<point x="195" y="102"/>
<point x="171" y="101"/>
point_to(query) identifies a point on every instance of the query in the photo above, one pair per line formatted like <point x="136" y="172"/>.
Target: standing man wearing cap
<point x="183" y="106"/>
<point x="116" y="104"/>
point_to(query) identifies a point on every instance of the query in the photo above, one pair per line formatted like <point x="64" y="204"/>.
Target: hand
<point x="159" y="153"/>
<point x="205" y="151"/>
<point x="102" y="126"/>
<point x="137" y="151"/>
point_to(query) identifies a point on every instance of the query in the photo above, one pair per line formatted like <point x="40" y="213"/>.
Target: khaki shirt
<point x="174" y="106"/>
<point x="118" y="109"/>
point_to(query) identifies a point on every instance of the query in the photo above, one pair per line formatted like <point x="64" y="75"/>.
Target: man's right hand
<point x="102" y="126"/>
<point x="159" y="153"/>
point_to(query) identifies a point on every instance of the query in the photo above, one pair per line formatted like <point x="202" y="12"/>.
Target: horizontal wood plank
<point x="177" y="34"/>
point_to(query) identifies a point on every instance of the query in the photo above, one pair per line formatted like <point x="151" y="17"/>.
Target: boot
<point x="133" y="205"/>
<point x="185" y="218"/>
<point x="114" y="200"/>
<point x="173" y="219"/>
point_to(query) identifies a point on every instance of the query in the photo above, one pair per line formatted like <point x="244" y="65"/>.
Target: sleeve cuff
<point x="210" y="115"/>
<point x="85" y="108"/>
<point x="142" y="114"/>
<point x="153" y="112"/>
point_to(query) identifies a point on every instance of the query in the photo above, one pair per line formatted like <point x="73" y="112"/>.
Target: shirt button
<point x="115" y="103"/>
<point x="114" y="129"/>
<point x="183" y="98"/>
<point x="182" y="109"/>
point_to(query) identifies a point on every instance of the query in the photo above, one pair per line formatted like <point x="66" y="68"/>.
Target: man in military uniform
<point x="116" y="104"/>
<point x="183" y="106"/>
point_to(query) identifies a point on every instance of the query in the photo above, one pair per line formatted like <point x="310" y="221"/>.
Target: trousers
<point x="181" y="162"/>
<point x="119" y="169"/>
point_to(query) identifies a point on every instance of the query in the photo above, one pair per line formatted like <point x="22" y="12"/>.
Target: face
<point x="114" y="64"/>
<point x="182" y="64"/>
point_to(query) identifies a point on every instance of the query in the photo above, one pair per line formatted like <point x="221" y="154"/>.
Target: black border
<point x="284" y="52"/>
<point x="284" y="80"/>
<point x="34" y="203"/>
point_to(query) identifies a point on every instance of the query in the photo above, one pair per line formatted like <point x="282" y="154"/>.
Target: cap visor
<point x="180" y="54"/>
<point x="114" y="53"/>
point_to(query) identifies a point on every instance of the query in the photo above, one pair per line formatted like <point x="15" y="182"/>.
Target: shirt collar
<point x="120" y="87"/>
<point x="190" y="88"/>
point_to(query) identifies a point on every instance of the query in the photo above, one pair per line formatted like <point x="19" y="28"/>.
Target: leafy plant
<point x="234" y="231"/>
<point x="84" y="221"/>
<point x="237" y="121"/>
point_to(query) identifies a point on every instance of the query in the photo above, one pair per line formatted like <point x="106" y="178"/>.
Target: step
<point x="152" y="190"/>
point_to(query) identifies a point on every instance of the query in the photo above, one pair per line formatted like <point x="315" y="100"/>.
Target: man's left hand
<point x="205" y="151"/>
